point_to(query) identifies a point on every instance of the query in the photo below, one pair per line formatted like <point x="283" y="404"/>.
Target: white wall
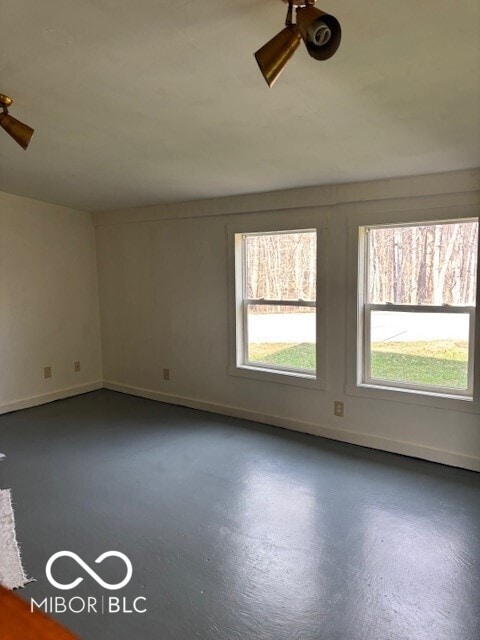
<point x="164" y="303"/>
<point x="49" y="302"/>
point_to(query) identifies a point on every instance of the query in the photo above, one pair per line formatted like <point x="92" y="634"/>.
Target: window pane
<point x="420" y="348"/>
<point x="282" y="336"/>
<point x="428" y="264"/>
<point x="281" y="266"/>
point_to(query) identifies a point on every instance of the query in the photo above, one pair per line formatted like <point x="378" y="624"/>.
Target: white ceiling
<point x="137" y="102"/>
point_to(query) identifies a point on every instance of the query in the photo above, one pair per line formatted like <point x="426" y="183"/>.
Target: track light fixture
<point x="320" y="32"/>
<point x="21" y="133"/>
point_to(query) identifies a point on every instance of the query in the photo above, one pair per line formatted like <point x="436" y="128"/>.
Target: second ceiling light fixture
<point x="320" y="31"/>
<point x="21" y="133"/>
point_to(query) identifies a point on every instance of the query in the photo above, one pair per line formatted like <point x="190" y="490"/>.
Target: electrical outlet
<point x="76" y="366"/>
<point x="47" y="372"/>
<point x="338" y="409"/>
<point x="166" y="374"/>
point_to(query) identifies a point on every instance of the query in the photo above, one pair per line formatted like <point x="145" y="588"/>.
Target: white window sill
<point x="413" y="396"/>
<point x="294" y="378"/>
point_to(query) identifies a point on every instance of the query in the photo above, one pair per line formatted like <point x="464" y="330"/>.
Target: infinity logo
<point x="87" y="569"/>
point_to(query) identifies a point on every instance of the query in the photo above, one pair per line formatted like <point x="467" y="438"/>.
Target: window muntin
<point x="417" y="307"/>
<point x="278" y="301"/>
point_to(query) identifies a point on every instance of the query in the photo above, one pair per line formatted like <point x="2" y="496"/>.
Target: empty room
<point x="239" y="328"/>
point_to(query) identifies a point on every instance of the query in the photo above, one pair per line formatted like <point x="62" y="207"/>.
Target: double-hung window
<point x="276" y="306"/>
<point x="417" y="296"/>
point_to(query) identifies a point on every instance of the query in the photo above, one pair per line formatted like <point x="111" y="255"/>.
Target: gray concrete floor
<point x="240" y="531"/>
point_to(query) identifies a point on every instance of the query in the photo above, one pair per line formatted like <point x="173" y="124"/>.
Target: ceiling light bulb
<point x="319" y="33"/>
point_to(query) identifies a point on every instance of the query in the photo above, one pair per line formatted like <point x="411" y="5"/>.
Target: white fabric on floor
<point x="12" y="575"/>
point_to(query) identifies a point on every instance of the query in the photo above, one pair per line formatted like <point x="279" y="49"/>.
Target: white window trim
<point x="238" y="339"/>
<point x="356" y="327"/>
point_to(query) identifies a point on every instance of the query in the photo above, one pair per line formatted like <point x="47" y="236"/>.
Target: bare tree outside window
<point x="425" y="264"/>
<point x="281" y="266"/>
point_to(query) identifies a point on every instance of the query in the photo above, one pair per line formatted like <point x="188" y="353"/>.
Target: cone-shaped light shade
<point x="274" y="55"/>
<point x="309" y="20"/>
<point x="21" y="133"/>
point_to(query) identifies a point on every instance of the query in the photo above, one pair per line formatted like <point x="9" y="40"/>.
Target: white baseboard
<point x="450" y="458"/>
<point x="33" y="401"/>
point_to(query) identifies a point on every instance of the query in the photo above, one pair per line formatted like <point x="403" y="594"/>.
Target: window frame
<point x="366" y="308"/>
<point x="239" y="365"/>
<point x="404" y="214"/>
